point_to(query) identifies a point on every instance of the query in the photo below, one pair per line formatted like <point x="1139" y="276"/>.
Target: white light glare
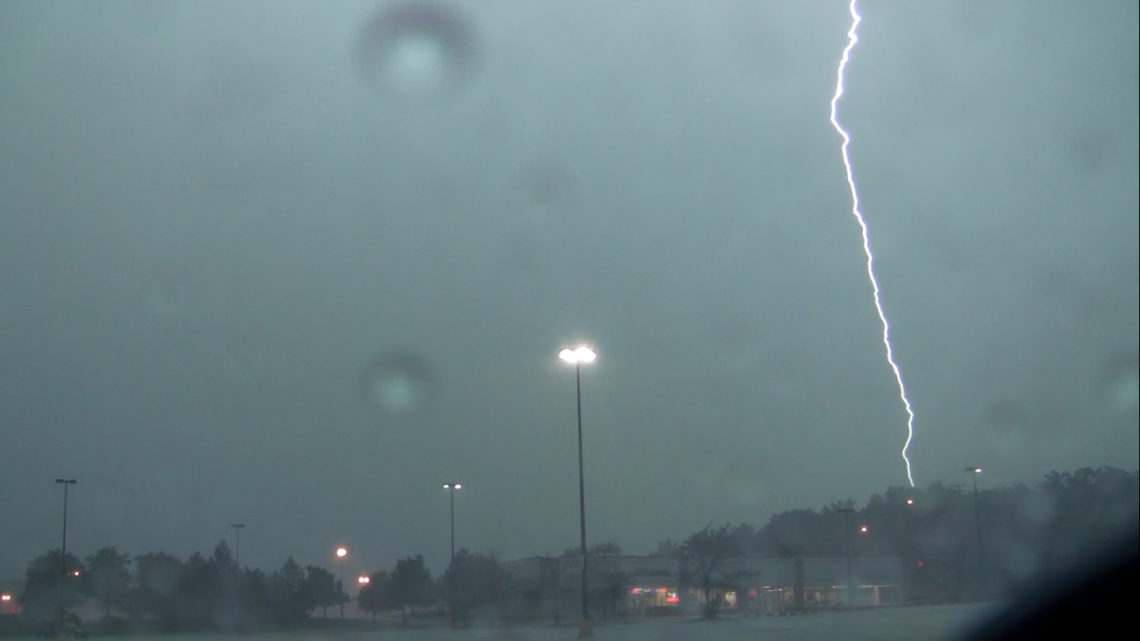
<point x="852" y="38"/>
<point x="581" y="354"/>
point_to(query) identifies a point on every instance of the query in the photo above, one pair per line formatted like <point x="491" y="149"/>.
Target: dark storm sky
<point x="213" y="222"/>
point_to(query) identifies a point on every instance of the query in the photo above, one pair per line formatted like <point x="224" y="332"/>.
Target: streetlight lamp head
<point x="910" y="501"/>
<point x="458" y="486"/>
<point x="864" y="529"/>
<point x="580" y="354"/>
<point x="342" y="552"/>
<point x="975" y="470"/>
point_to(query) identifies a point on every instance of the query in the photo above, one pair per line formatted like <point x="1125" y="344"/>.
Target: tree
<point x="196" y="593"/>
<point x="411" y="585"/>
<point x="374" y="597"/>
<point x="288" y="593"/>
<point x="704" y="553"/>
<point x="794" y="533"/>
<point x="51" y="583"/>
<point x="108" y="578"/>
<point x="323" y="589"/>
<point x="224" y="584"/>
<point x="157" y="575"/>
<point x="473" y="581"/>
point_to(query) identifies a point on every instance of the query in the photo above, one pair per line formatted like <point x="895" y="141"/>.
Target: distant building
<point x="550" y="587"/>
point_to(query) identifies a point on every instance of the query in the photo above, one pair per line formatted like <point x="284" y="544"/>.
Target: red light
<point x="920" y="564"/>
<point x="752" y="592"/>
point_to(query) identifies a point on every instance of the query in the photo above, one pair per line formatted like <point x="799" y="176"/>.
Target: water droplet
<point x="1120" y="385"/>
<point x="164" y="295"/>
<point x="417" y="50"/>
<point x="1009" y="425"/>
<point x="547" y="184"/>
<point x="397" y="383"/>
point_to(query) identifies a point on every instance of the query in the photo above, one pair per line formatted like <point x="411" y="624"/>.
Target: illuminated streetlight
<point x="63" y="548"/>
<point x="341" y="553"/>
<point x="864" y="529"/>
<point x="451" y="488"/>
<point x="577" y="356"/>
<point x="974" y="472"/>
<point x="581" y="354"/>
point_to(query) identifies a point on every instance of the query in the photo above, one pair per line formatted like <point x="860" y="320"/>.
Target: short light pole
<point x="577" y="356"/>
<point x="63" y="547"/>
<point x="237" y="543"/>
<point x="847" y="549"/>
<point x="341" y="552"/>
<point x="975" y="472"/>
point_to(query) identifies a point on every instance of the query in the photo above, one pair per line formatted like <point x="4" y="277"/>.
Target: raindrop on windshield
<point x="1120" y="386"/>
<point x="397" y="383"/>
<point x="417" y="50"/>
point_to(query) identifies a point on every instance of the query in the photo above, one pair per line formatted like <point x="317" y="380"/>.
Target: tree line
<point x="157" y="590"/>
<point x="954" y="544"/>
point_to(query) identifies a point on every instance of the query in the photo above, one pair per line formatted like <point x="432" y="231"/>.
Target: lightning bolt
<point x="852" y="38"/>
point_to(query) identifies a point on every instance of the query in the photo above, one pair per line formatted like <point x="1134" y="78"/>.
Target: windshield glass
<point x="847" y="293"/>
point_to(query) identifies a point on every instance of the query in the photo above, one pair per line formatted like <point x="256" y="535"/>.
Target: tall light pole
<point x="341" y="552"/>
<point x="451" y="488"/>
<point x="577" y="356"/>
<point x="847" y="548"/>
<point x="63" y="546"/>
<point x="237" y="543"/>
<point x="976" y="471"/>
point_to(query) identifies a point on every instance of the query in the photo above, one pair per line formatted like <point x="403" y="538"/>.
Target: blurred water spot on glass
<point x="547" y="185"/>
<point x="417" y="50"/>
<point x="1120" y="385"/>
<point x="1008" y="424"/>
<point x="397" y="383"/>
<point x="164" y="293"/>
<point x="1015" y="559"/>
<point x="1039" y="508"/>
